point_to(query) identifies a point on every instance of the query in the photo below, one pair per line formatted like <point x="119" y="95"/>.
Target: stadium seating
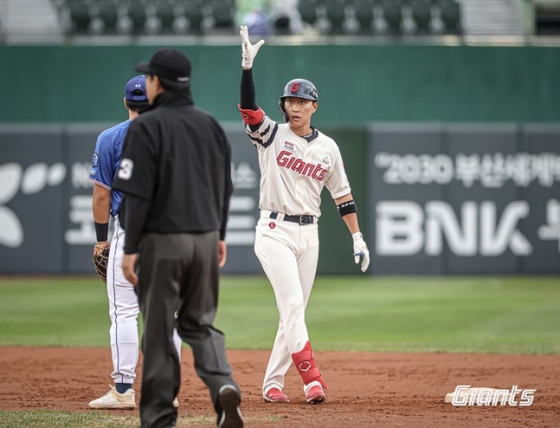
<point x="363" y="10"/>
<point x="308" y="11"/>
<point x="164" y="11"/>
<point x="223" y="12"/>
<point x="450" y="15"/>
<point x="392" y="13"/>
<point x="136" y="13"/>
<point x="80" y="17"/>
<point x="337" y="17"/>
<point x="106" y="16"/>
<point x="366" y="17"/>
<point x="193" y="12"/>
<point x="140" y="17"/>
<point x="421" y="15"/>
<point x="547" y="17"/>
<point x="335" y="14"/>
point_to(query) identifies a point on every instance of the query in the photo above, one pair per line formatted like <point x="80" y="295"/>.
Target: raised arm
<point x="250" y="112"/>
<point x="248" y="101"/>
<point x="248" y="51"/>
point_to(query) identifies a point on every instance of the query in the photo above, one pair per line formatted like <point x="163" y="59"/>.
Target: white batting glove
<point x="360" y="249"/>
<point x="249" y="51"/>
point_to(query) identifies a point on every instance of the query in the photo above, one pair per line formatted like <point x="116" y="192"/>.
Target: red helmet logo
<point x="294" y="89"/>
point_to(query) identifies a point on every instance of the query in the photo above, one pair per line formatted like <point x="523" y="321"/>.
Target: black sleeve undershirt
<point x="228" y="185"/>
<point x="227" y="195"/>
<point x="135" y="212"/>
<point x="248" y="100"/>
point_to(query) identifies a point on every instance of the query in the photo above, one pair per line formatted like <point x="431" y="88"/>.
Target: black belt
<point x="302" y="220"/>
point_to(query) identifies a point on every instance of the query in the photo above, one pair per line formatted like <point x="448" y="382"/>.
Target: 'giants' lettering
<point x="287" y="160"/>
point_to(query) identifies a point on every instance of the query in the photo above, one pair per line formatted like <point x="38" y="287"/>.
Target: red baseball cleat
<point x="315" y="395"/>
<point x="274" y="395"/>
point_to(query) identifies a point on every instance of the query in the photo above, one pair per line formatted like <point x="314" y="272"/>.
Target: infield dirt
<point x="365" y="389"/>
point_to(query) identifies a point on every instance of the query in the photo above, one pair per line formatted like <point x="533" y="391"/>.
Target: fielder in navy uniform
<point x="296" y="162"/>
<point x="123" y="303"/>
<point x="176" y="178"/>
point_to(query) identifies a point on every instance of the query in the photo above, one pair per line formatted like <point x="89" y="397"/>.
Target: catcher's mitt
<point x="100" y="258"/>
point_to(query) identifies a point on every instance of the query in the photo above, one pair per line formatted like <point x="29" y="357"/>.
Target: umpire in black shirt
<point x="176" y="180"/>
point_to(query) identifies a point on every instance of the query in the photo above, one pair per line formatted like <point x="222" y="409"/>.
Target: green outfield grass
<point x="359" y="313"/>
<point x="48" y="419"/>
<point x="95" y="419"/>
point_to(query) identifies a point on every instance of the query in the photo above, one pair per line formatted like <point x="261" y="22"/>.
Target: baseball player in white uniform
<point x="123" y="303"/>
<point x="296" y="162"/>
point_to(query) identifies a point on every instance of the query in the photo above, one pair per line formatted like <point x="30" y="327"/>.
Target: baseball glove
<point x="100" y="258"/>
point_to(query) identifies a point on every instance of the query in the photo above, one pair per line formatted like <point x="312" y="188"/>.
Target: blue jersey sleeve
<point x="106" y="160"/>
<point x="103" y="163"/>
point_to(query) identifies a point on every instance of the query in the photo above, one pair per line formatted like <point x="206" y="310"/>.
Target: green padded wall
<point x="357" y="84"/>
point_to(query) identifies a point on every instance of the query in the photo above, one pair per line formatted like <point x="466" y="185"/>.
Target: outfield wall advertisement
<point x="464" y="199"/>
<point x="432" y="199"/>
<point x="46" y="222"/>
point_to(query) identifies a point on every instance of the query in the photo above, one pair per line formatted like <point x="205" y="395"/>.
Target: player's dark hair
<point x="138" y="106"/>
<point x="171" y="86"/>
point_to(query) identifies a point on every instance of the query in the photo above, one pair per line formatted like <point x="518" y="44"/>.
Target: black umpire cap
<point x="169" y="64"/>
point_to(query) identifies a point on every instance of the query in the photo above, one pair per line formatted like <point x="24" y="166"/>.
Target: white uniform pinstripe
<point x="294" y="171"/>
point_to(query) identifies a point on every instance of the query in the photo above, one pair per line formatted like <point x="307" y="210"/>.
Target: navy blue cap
<point x="135" y="89"/>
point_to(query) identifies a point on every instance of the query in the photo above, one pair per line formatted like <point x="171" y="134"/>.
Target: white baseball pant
<point x="288" y="253"/>
<point x="123" y="312"/>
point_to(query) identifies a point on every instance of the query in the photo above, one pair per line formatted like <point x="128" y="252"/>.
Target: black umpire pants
<point x="179" y="273"/>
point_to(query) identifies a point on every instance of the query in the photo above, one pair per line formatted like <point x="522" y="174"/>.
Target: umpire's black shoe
<point x="229" y="399"/>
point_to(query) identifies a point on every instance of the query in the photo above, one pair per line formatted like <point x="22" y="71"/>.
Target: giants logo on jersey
<point x="289" y="161"/>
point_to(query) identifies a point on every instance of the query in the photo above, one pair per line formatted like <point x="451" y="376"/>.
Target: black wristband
<point x="346" y="208"/>
<point x="102" y="231"/>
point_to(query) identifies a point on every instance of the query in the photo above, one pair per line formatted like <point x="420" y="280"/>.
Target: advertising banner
<point x="46" y="220"/>
<point x="437" y="199"/>
<point x="33" y="191"/>
<point x="464" y="199"/>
